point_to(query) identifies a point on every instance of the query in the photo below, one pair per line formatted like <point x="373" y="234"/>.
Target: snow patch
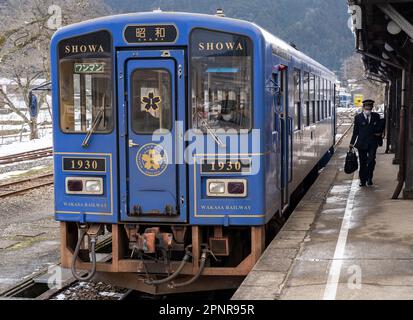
<point x="14" y="174"/>
<point x="18" y="147"/>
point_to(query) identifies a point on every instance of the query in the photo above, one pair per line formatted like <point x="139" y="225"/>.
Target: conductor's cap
<point x="368" y="102"/>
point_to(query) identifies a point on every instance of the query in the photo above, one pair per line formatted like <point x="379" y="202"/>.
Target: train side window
<point x="330" y="98"/>
<point x="321" y="99"/>
<point x="306" y="93"/>
<point x="317" y="97"/>
<point x="325" y="98"/>
<point x="297" y="98"/>
<point x="312" y="97"/>
<point x="151" y="100"/>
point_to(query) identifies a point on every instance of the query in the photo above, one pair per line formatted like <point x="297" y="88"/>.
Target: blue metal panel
<point x="85" y="208"/>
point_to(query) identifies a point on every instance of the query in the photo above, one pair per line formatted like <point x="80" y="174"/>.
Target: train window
<point x="85" y="83"/>
<point x="331" y="97"/>
<point x="297" y="98"/>
<point x="312" y="96"/>
<point x="325" y="98"/>
<point x="306" y="92"/>
<point x="328" y="98"/>
<point x="221" y="80"/>
<point x="151" y="100"/>
<point x="322" y="97"/>
<point x="317" y="97"/>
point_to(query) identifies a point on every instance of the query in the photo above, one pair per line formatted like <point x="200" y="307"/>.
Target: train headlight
<point x="227" y="188"/>
<point x="94" y="186"/>
<point x="84" y="185"/>
<point x="74" y="185"/>
<point x="216" y="187"/>
<point x="236" y="187"/>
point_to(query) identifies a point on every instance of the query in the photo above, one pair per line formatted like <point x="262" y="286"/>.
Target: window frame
<point x="325" y="98"/>
<point x="317" y="98"/>
<point x="313" y="98"/>
<point x="297" y="109"/>
<point x="322" y="98"/>
<point x="306" y="97"/>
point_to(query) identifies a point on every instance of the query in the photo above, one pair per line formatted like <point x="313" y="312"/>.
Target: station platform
<point x="341" y="242"/>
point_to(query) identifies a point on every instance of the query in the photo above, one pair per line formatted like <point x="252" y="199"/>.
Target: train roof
<point x="269" y="37"/>
<point x="187" y="18"/>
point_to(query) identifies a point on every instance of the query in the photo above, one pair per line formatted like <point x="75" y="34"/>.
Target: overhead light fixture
<point x="393" y="28"/>
<point x="385" y="56"/>
<point x="388" y="47"/>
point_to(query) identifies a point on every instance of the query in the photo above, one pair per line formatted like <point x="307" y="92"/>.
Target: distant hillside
<point x="317" y="27"/>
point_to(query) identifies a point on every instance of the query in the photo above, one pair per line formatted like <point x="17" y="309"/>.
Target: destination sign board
<point x="150" y="34"/>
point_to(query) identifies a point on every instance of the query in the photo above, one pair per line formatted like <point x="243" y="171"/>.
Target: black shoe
<point x="370" y="182"/>
<point x="362" y="184"/>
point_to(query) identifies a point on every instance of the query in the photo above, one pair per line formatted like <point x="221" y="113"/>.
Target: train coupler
<point x="150" y="240"/>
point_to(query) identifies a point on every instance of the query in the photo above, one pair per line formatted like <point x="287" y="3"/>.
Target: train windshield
<point x="221" y="80"/>
<point x="85" y="83"/>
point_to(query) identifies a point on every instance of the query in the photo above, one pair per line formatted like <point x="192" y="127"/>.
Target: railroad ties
<point x="25" y="156"/>
<point x="20" y="186"/>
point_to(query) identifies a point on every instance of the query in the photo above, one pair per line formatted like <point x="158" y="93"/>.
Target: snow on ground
<point x="17" y="173"/>
<point x="18" y="147"/>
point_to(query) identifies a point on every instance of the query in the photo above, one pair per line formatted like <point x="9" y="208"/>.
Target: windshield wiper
<point x="211" y="132"/>
<point x="92" y="129"/>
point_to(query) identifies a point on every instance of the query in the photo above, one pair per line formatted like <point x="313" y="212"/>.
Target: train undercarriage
<point x="166" y="259"/>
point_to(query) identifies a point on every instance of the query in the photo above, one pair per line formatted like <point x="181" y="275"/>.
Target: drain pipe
<point x="401" y="177"/>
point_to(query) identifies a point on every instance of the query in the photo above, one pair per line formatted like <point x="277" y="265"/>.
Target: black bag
<point x="351" y="164"/>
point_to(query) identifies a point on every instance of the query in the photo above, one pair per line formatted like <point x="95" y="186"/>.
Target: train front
<point x="158" y="145"/>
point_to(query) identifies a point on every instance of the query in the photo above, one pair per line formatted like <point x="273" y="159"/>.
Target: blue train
<point x="183" y="136"/>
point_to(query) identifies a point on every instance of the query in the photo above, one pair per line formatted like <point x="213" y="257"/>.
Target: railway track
<point x="21" y="186"/>
<point x="344" y="125"/>
<point x="25" y="156"/>
<point x="32" y="288"/>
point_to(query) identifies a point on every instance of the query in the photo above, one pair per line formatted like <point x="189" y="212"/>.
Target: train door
<point x="155" y="106"/>
<point x="285" y="136"/>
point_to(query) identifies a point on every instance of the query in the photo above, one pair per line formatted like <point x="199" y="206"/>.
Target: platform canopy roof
<point x="384" y="34"/>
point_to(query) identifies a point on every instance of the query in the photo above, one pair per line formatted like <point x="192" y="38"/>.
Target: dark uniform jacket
<point x="365" y="132"/>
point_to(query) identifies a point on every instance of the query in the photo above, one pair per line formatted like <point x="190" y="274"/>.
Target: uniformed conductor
<point x="367" y="134"/>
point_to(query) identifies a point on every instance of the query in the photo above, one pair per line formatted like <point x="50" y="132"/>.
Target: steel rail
<point x="28" y="284"/>
<point x="25" y="156"/>
<point x="8" y="193"/>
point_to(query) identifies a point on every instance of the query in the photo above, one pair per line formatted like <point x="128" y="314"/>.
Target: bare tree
<point x="25" y="32"/>
<point x="353" y="69"/>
